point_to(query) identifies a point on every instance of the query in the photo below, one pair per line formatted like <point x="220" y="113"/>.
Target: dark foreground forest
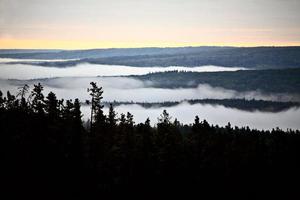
<point x="46" y="151"/>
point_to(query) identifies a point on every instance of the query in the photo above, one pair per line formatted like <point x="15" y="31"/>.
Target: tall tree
<point x="77" y="113"/>
<point x="11" y="102"/>
<point x="52" y="106"/>
<point x="22" y="92"/>
<point x="68" y="111"/>
<point x="165" y="118"/>
<point x="97" y="115"/>
<point x="2" y="100"/>
<point x="112" y="120"/>
<point x="38" y="102"/>
<point x="129" y="119"/>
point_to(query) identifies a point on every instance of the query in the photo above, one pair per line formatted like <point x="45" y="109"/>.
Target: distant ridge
<point x="249" y="57"/>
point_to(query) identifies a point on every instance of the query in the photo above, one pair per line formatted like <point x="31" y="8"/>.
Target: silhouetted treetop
<point x="45" y="149"/>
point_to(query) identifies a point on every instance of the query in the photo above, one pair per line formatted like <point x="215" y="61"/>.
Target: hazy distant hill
<point x="241" y="104"/>
<point x="14" y="52"/>
<point x="104" y="53"/>
<point x="268" y="81"/>
<point x="250" y="57"/>
<point x="272" y="81"/>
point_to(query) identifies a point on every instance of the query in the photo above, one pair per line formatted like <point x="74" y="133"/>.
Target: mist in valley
<point x="217" y="115"/>
<point x="27" y="71"/>
<point x="130" y="89"/>
<point x="72" y="82"/>
<point x="150" y="98"/>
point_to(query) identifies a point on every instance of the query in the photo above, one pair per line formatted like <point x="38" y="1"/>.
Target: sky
<point x="83" y="24"/>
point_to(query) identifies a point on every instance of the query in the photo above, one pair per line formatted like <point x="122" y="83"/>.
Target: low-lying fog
<point x="130" y="89"/>
<point x="219" y="115"/>
<point x="74" y="81"/>
<point x="126" y="89"/>
<point x="24" y="71"/>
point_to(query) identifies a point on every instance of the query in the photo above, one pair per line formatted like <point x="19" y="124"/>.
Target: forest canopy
<point x="46" y="149"/>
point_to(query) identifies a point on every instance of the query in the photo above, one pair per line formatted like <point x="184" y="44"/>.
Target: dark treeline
<point x="241" y="104"/>
<point x="45" y="150"/>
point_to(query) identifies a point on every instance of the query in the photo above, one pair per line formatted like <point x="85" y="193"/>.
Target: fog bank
<point x="22" y="71"/>
<point x="130" y="89"/>
<point x="217" y="115"/>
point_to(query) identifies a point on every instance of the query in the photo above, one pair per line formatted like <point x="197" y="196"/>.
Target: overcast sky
<point x="80" y="24"/>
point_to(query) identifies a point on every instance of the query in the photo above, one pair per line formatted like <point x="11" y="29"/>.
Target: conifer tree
<point x="77" y="113"/>
<point x="51" y="106"/>
<point x="197" y="120"/>
<point x="165" y="118"/>
<point x="122" y="119"/>
<point x="11" y="102"/>
<point x="22" y="92"/>
<point x="112" y="120"/>
<point x="129" y="119"/>
<point x="2" y="100"/>
<point x="37" y="96"/>
<point x="147" y="122"/>
<point x="97" y="116"/>
<point x="68" y="111"/>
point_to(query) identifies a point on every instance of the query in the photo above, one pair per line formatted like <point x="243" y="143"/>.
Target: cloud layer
<point x="220" y="115"/>
<point x="130" y="89"/>
<point x="21" y="71"/>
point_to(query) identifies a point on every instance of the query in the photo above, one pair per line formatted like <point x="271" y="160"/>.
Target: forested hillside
<point x="46" y="151"/>
<point x="241" y="104"/>
<point x="277" y="81"/>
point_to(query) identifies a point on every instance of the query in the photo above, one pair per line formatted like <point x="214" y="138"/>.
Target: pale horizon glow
<point x="87" y="24"/>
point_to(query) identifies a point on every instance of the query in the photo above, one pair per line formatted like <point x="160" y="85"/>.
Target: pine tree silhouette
<point x="46" y="150"/>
